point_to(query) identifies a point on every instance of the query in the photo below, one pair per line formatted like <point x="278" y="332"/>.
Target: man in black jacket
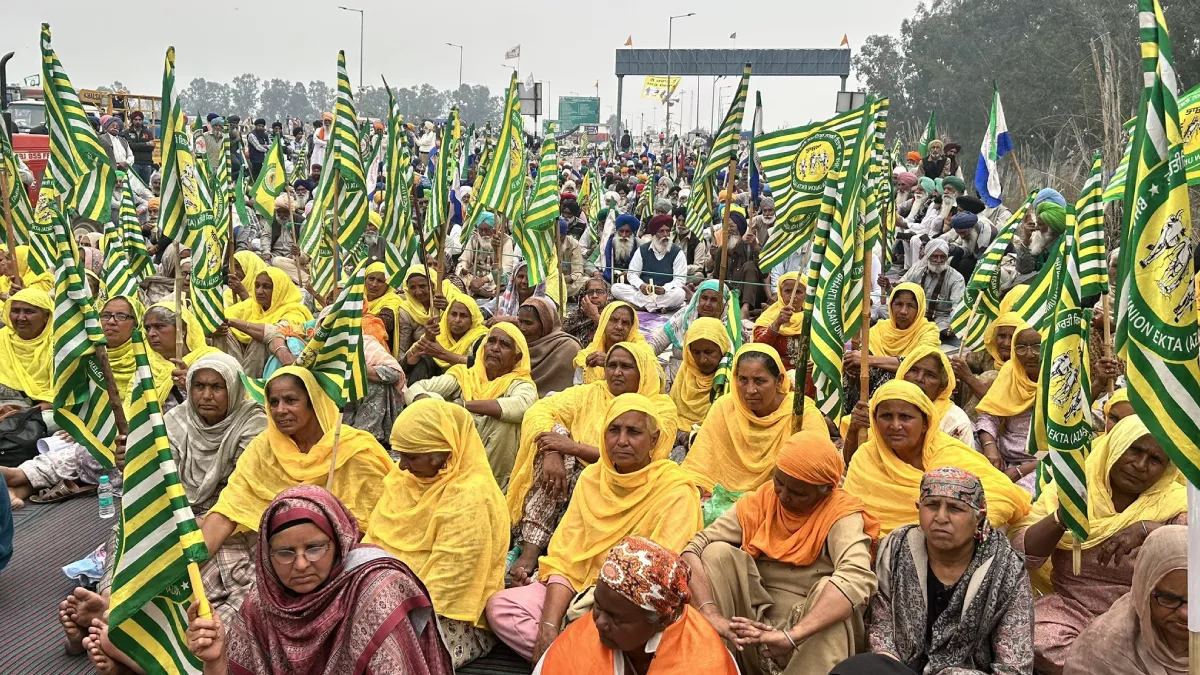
<point x="259" y="143"/>
<point x="141" y="141"/>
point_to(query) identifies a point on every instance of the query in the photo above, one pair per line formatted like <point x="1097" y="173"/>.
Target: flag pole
<point x="1107" y="333"/>
<point x="8" y="219"/>
<point x="337" y="246"/>
<point x="864" y="339"/>
<point x="499" y="249"/>
<point x="562" y="282"/>
<point x="292" y="227"/>
<point x="204" y="610"/>
<point x="726" y="223"/>
<point x="1020" y="174"/>
<point x="1193" y="501"/>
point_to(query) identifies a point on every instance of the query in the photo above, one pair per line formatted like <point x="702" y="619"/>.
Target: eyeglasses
<point x="1167" y="600"/>
<point x="287" y="556"/>
<point x="1022" y="350"/>
<point x="595" y="291"/>
<point x="119" y="317"/>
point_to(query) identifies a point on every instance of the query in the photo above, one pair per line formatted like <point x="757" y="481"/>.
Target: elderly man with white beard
<point x="657" y="272"/>
<point x="943" y="285"/>
<point x="478" y="261"/>
<point x="620" y="247"/>
<point x="969" y="236"/>
<point x="1035" y="243"/>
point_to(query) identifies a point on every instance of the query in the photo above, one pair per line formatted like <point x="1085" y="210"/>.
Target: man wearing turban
<point x="969" y="236"/>
<point x="1036" y="241"/>
<point x="943" y="285"/>
<point x="657" y="271"/>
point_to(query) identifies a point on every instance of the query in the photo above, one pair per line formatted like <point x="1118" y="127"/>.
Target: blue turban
<point x="486" y="218"/>
<point x="739" y="221"/>
<point x="964" y="220"/>
<point x="626" y="220"/>
<point x="1049" y="195"/>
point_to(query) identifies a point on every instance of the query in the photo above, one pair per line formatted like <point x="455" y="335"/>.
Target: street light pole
<point x="670" y="37"/>
<point x="460" y="60"/>
<point x="362" y="17"/>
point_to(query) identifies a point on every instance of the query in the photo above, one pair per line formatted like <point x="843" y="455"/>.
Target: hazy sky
<point x="565" y="50"/>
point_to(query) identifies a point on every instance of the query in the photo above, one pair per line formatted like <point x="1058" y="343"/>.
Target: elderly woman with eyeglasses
<point x="1006" y="412"/>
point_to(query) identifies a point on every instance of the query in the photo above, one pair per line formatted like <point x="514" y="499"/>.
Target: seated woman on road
<point x="928" y="368"/>
<point x="322" y="602"/>
<point x="903" y="443"/>
<point x="496" y="390"/>
<point x="27" y="350"/>
<point x="631" y="489"/>
<point x="978" y="370"/>
<point x="953" y="597"/>
<point x="1131" y="492"/>
<point x="294" y="450"/>
<point x="785" y="575"/>
<point x="580" y="323"/>
<point x="245" y="269"/>
<point x="447" y="341"/>
<point x="1145" y="632"/>
<point x="562" y="434"/>
<point x="442" y="514"/>
<point x="706" y="302"/>
<point x="274" y="299"/>
<point x="781" y="324"/>
<point x="383" y="302"/>
<point x="739" y="442"/>
<point x="640" y="622"/>
<point x="891" y="341"/>
<point x="705" y="345"/>
<point x="551" y="350"/>
<point x="1006" y="412"/>
<point x="416" y="305"/>
<point x="170" y="367"/>
<point x="1115" y="408"/>
<point x="618" y="323"/>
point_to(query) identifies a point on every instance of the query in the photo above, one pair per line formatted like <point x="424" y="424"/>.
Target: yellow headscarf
<point x="416" y="310"/>
<point x="464" y="343"/>
<point x="597" y="344"/>
<point x="891" y="487"/>
<point x="42" y="282"/>
<point x="28" y="365"/>
<point x="942" y="403"/>
<point x="1011" y="297"/>
<point x="451" y="530"/>
<point x="657" y="502"/>
<point x="737" y="449"/>
<point x="389" y="300"/>
<point x="287" y="304"/>
<point x="794" y="325"/>
<point x="888" y="340"/>
<point x="251" y="265"/>
<point x="692" y="390"/>
<point x="193" y="342"/>
<point x="474" y="382"/>
<point x="272" y="463"/>
<point x="990" y="341"/>
<point x="121" y="359"/>
<point x="1012" y="392"/>
<point x="575" y="409"/>
<point x="1119" y="396"/>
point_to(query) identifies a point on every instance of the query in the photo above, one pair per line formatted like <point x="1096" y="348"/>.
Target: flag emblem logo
<point x="1171" y="254"/>
<point x="1068" y="390"/>
<point x="818" y="155"/>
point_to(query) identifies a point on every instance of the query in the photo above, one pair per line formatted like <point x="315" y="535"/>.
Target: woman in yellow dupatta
<point x="979" y="369"/>
<point x="273" y="299"/>
<point x="609" y="331"/>
<point x="442" y="514"/>
<point x="780" y="326"/>
<point x="704" y="345"/>
<point x="1116" y="408"/>
<point x="1006" y="412"/>
<point x="248" y="265"/>
<point x="739" y="442"/>
<point x="633" y="489"/>
<point x="159" y="324"/>
<point x="416" y="305"/>
<point x="903" y="443"/>
<point x="383" y="302"/>
<point x="1131" y="491"/>
<point x="41" y="282"/>
<point x="460" y="326"/>
<point x="27" y="345"/>
<point x="891" y="340"/>
<point x="119" y="316"/>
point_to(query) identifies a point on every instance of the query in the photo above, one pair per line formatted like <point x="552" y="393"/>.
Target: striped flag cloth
<point x="1189" y="122"/>
<point x="18" y="198"/>
<point x="701" y="206"/>
<point x="78" y="170"/>
<point x="996" y="144"/>
<point x="1116" y="184"/>
<point x="335" y="352"/>
<point x="323" y="276"/>
<point x="796" y="164"/>
<point x="207" y="280"/>
<point x="82" y="407"/>
<point x="722" y="382"/>
<point x="137" y="255"/>
<point x="1037" y="305"/>
<point x="871" y="206"/>
<point x="313" y="227"/>
<point x="729" y="134"/>
<point x="1156" y="317"/>
<point x="443" y="176"/>
<point x="400" y="241"/>
<point x="158" y="539"/>
<point x="222" y="185"/>
<point x="272" y="179"/>
<point x="345" y="161"/>
<point x="503" y="182"/>
<point x="116" y="275"/>
<point x="186" y="201"/>
<point x="930" y="134"/>
<point x="1089" y="233"/>
<point x="534" y="233"/>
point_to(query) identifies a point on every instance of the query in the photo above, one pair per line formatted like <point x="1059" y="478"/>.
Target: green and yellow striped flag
<point x="722" y="382"/>
<point x="437" y="213"/>
<point x="1037" y="305"/>
<point x="797" y="164"/>
<point x="534" y="233"/>
<point x="400" y="241"/>
<point x="1089" y="233"/>
<point x="335" y="352"/>
<point x="878" y="174"/>
<point x="272" y="180"/>
<point x="186" y="204"/>
<point x="78" y="172"/>
<point x="980" y="304"/>
<point x="158" y="538"/>
<point x="503" y="175"/>
<point x="18" y="198"/>
<point x="222" y="190"/>
<point x="137" y="255"/>
<point x="729" y="135"/>
<point x="345" y="160"/>
<point x="208" y="280"/>
<point x="1156" y="319"/>
<point x="1116" y="184"/>
<point x="116" y="275"/>
<point x="82" y="407"/>
<point x="701" y="206"/>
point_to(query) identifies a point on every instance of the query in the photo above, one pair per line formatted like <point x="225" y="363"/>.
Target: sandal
<point x="64" y="490"/>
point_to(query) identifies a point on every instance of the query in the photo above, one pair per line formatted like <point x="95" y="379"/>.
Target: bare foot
<point x="68" y="612"/>
<point x="88" y="606"/>
<point x="104" y="665"/>
<point x="123" y="663"/>
<point x="17" y="502"/>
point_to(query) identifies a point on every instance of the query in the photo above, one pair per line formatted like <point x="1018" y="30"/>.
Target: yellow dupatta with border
<point x="886" y="339"/>
<point x="389" y="300"/>
<point x="452" y="529"/>
<point x="287" y="304"/>
<point x="692" y="390"/>
<point x="942" y="403"/>
<point x="890" y="487"/>
<point x="27" y="366"/>
<point x="460" y="345"/>
<point x="419" y="313"/>
<point x="795" y="325"/>
<point x="1012" y="392"/>
<point x="591" y="374"/>
<point x="273" y="463"/>
<point x="473" y="382"/>
<point x="990" y="341"/>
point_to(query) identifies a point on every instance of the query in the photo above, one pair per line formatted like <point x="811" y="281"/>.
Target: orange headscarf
<point x="797" y="539"/>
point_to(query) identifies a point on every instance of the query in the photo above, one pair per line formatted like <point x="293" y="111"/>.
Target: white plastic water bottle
<point x="107" y="509"/>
